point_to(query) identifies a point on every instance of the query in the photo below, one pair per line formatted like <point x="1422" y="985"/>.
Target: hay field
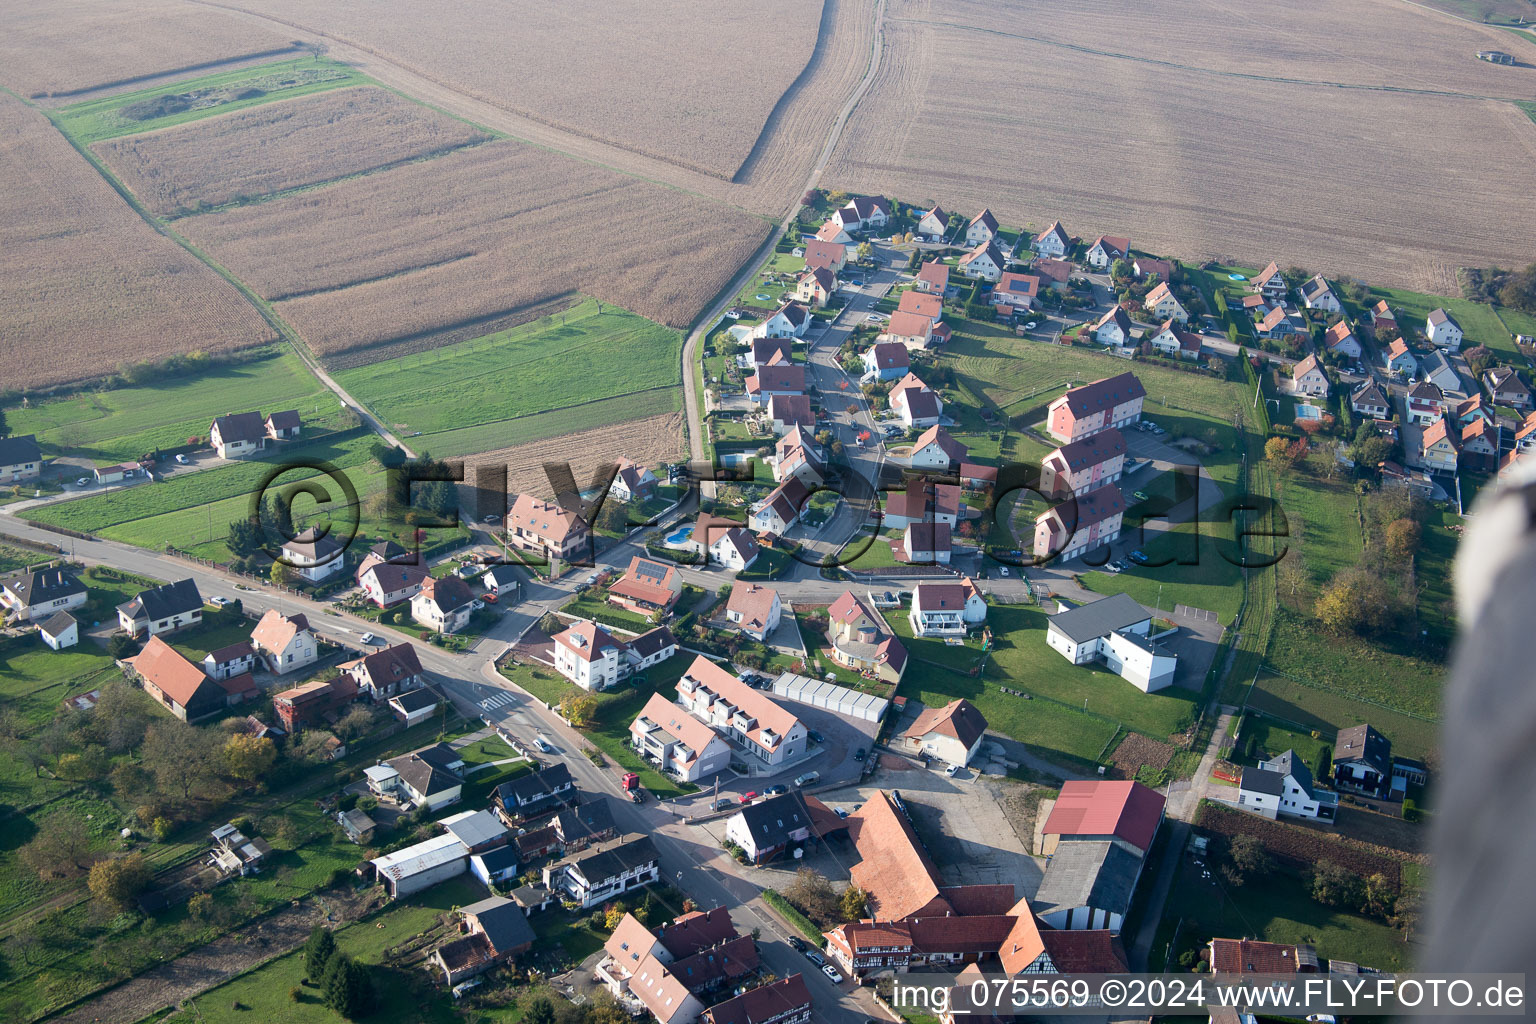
<point x="71" y="46"/>
<point x="280" y="146"/>
<point x="687" y="81"/>
<point x="647" y="441"/>
<point x="1193" y="163"/>
<point x="85" y="284"/>
<point x="428" y="248"/>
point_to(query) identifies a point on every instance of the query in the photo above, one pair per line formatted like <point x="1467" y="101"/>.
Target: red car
<point x="747" y="798"/>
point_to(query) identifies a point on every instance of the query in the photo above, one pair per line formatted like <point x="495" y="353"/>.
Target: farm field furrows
<point x="86" y="284"/>
<point x="125" y="423"/>
<point x="68" y="46"/>
<point x="1290" y="40"/>
<point x="688" y="82"/>
<point x="280" y="146"/>
<point x="647" y="441"/>
<point x="473" y="236"/>
<point x="572" y="358"/>
<point x="1201" y="165"/>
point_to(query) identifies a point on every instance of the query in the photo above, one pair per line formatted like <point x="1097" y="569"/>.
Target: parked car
<point x="814" y="957"/>
<point x="637" y="796"/>
<point x="367" y="638"/>
<point x="873" y="318"/>
<point x="831" y="972"/>
<point x="1138" y="556"/>
<point x="840" y="812"/>
<point x="952" y="770"/>
<point x="858" y="755"/>
<point x="1140" y="495"/>
<point x="83" y="481"/>
<point x="808" y="779"/>
<point x="219" y="601"/>
<point x="1003" y="569"/>
<point x="775" y="790"/>
<point x="816" y="737"/>
<point x="181" y="459"/>
<point x="492" y="518"/>
<point x="723" y="804"/>
<point x="749" y="796"/>
<point x="1115" y="567"/>
<point x="797" y="944"/>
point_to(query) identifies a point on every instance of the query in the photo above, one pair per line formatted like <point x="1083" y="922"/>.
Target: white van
<point x="807" y="779"/>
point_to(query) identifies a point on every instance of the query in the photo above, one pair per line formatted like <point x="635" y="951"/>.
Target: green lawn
<point x="129" y="422"/>
<point x="1328" y="712"/>
<point x="1212" y="581"/>
<point x="95" y="120"/>
<point x="616" y="709"/>
<point x="33" y="682"/>
<point x="1270" y="739"/>
<point x="1517" y="321"/>
<point x="263" y="994"/>
<point x="195" y="643"/>
<point x="1437" y="552"/>
<point x="591" y="604"/>
<point x="1355" y="667"/>
<point x="778" y="263"/>
<point x="1479" y="322"/>
<point x="1323" y="516"/>
<point x="1277" y="908"/>
<point x="588" y="353"/>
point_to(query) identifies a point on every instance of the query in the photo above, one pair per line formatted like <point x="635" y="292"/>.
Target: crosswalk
<point x="499" y="700"/>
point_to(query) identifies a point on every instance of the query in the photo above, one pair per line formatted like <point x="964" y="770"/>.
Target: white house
<point x="743" y="715"/>
<point x="862" y="213"/>
<point x="935" y="449"/>
<point x="1443" y="331"/>
<point x="984" y="263"/>
<point x="591" y="657"/>
<point x="797" y="455"/>
<point x="1164" y="305"/>
<point x="816" y="286"/>
<point x="1113" y="630"/>
<point x="1370" y="401"/>
<point x="667" y="735"/>
<point x="1113" y="328"/>
<point x="926" y="544"/>
<point x="231" y="661"/>
<point x="788" y="321"/>
<point x="934" y="223"/>
<point x="834" y="230"/>
<point x="1016" y="290"/>
<point x="913" y="330"/>
<point x="754" y="609"/>
<point x="1308" y="378"/>
<point x="238" y="434"/>
<point x="786" y="412"/>
<point x="982" y="229"/>
<point x="1171" y="341"/>
<point x="953" y="733"/>
<point x="775" y="379"/>
<point x="314" y="555"/>
<point x="389" y="583"/>
<point x="1105" y="250"/>
<point x="946" y="609"/>
<point x="285" y="642"/>
<point x="1284" y="786"/>
<point x="444" y="604"/>
<point x="886" y="360"/>
<point x="60" y="630"/>
<point x="915" y="403"/>
<point x="631" y="481"/>
<point x="605" y="870"/>
<point x="1053" y="242"/>
<point x="1341" y="341"/>
<point x="1436" y="368"/>
<point x="38" y="594"/>
<point x="733" y="549"/>
<point x="1317" y="293"/>
<point x="781" y="508"/>
<point x="20" y="458"/>
<point x="161" y="609"/>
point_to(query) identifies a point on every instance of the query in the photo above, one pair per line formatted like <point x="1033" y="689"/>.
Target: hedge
<point x="787" y="910"/>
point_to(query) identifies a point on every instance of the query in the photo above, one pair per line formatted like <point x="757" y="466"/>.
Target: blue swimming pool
<point x="680" y="536"/>
<point x="1237" y="277"/>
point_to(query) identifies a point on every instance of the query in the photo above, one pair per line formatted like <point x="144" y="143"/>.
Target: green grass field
<point x="1212" y="582"/>
<point x="1479" y="322"/>
<point x="226" y="91"/>
<point x="1354" y="667"/>
<point x="575" y="370"/>
<point x="1270" y="739"/>
<point x="1309" y="708"/>
<point x="1322" y="515"/>
<point x="778" y="263"/>
<point x="126" y="423"/>
<point x="33" y="682"/>
<point x="1514" y="319"/>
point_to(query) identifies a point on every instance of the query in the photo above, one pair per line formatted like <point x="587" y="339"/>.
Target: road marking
<point x="499" y="700"/>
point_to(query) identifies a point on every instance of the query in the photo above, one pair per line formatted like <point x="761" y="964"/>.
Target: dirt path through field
<point x="217" y="962"/>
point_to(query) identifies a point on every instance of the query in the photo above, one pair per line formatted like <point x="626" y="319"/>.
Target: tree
<point x="1278" y="451"/>
<point x="347" y="987"/>
<point x="1402" y="539"/>
<point x="200" y="905"/>
<point x="549" y="624"/>
<point x="1334" y="886"/>
<point x="282" y="574"/>
<point x="539" y="1011"/>
<point x="1356" y="601"/>
<point x="354" y="723"/>
<point x="5" y="430"/>
<point x="613" y="915"/>
<point x="318" y="950"/>
<point x="122" y="646"/>
<point x="181" y="756"/>
<point x="853" y="903"/>
<point x="88" y="765"/>
<point x="311" y="747"/>
<point x="1248" y="856"/>
<point x="61" y="842"/>
<point x="813" y="895"/>
<point x="1377" y="897"/>
<point x="249" y="757"/>
<point x="578" y="708"/>
<point x="117" y="882"/>
<point x="1291" y="573"/>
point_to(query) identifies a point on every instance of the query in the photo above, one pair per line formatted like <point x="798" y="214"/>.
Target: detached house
<point x="1479" y="445"/>
<point x="529" y="796"/>
<point x="228" y="662"/>
<point x="1113" y="328"/>
<point x="924" y="544"/>
<point x="1382" y="318"/>
<point x="647" y="588"/>
<point x="283" y="426"/>
<point x="546" y="528"/>
<point x="765" y="828"/>
<point x="1317" y="293"/>
<point x="1506" y="387"/>
<point x="934" y="223"/>
<point x="1171" y="341"/>
<point x="946" y="609"/>
<point x="1060" y="534"/>
<point x="382" y="674"/>
<point x="37" y="594"/>
<point x="953" y="733"/>
<point x="815" y="286"/>
<point x="861" y="213"/>
<point x="1443" y="331"/>
<point x="389" y="583"/>
<point x="632" y="482"/>
<point x="444" y="604"/>
<point x="314" y="555"/>
<point x="591" y="657"/>
<point x="490" y="933"/>
<point x="1016" y="290"/>
<point x="788" y="321"/>
<point x="1084" y="465"/>
<point x="605" y="871"/>
<point x="984" y="263"/>
<point x="781" y="509"/>
<point x="754" y="609"/>
<point x="177" y="683"/>
<point x="982" y="228"/>
<point x="1370" y="401"/>
<point x="1105" y="250"/>
<point x="886" y="360"/>
<point x="1146" y="266"/>
<point x="1055" y="273"/>
<point x="1341" y="341"/>
<point x="932" y="278"/>
<point x="1283" y="785"/>
<point x="922" y="501"/>
<point x="1164" y="305"/>
<point x="787" y="412"/>
<point x="1400" y="360"/>
<point x="20" y="459"/>
<point x="237" y="434"/>
<point x="1084" y="411"/>
<point x="935" y="449"/>
<point x="915" y="403"/>
<point x="775" y="379"/>
<point x="771" y="351"/>
<point x="1437" y="368"/>
<point x="310" y="703"/>
<point x="833" y="231"/>
<point x="1275" y="324"/>
<point x="786" y="1001"/>
<point x="912" y="330"/>
<point x="1114" y="631"/>
<point x="1362" y="761"/>
<point x="727" y="544"/>
<point x="1426" y="403"/>
<point x="1308" y="378"/>
<point x="1053" y="242"/>
<point x="863" y="641"/>
<point x="60" y="630"/>
<point x="831" y="255"/>
<point x="1271" y="284"/>
<point x="797" y="455"/>
<point x="162" y="609"/>
<point x="671" y="738"/>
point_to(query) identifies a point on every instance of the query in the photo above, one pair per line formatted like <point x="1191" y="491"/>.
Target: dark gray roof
<point x="58" y="622"/>
<point x="42" y="585"/>
<point x="652" y="641"/>
<point x="533" y="793"/>
<point x="1100" y="618"/>
<point x="426" y="779"/>
<point x="584" y="821"/>
<point x="415" y="700"/>
<point x="499" y="859"/>
<point x="1088" y="874"/>
<point x="615" y="857"/>
<point x="1289" y="764"/>
<point x="503" y="923"/>
<point x="770" y="821"/>
<point x="19" y="449"/>
<point x="164" y="601"/>
<point x="440" y="755"/>
<point x="1261" y="780"/>
<point x="1364" y="744"/>
<point x="241" y="426"/>
<point x="502" y="576"/>
<point x="285" y="420"/>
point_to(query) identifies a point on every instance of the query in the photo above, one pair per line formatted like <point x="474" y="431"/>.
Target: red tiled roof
<point x="163" y="665"/>
<point x="1236" y="956"/>
<point x="921" y="303"/>
<point x="909" y="325"/>
<point x="1124" y="809"/>
<point x="1057" y="270"/>
<point x="935" y="273"/>
<point x="546" y="520"/>
<point x="1089" y="451"/>
<point x="938" y="435"/>
<point x="970" y="900"/>
<point x="753" y="602"/>
<point x="958" y="719"/>
<point x="760" y="1004"/>
<point x="824" y="254"/>
<point x="1085" y="952"/>
<point x="893" y="869"/>
<point x="587" y="640"/>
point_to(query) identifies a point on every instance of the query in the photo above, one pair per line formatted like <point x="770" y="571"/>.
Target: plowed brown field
<point x="66" y="46"/>
<point x="688" y="81"/>
<point x="647" y="441"/>
<point x="279" y="146"/>
<point x="430" y="246"/>
<point x="1391" y="186"/>
<point x="85" y="284"/>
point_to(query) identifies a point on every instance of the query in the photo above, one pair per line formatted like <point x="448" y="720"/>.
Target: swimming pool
<point x="1237" y="277"/>
<point x="679" y="537"/>
<point x="763" y="298"/>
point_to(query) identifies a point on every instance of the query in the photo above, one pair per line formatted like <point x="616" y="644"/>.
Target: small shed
<point x="60" y="630"/>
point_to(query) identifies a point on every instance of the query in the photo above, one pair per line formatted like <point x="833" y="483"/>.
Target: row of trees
<point x="344" y="983"/>
<point x="1328" y="883"/>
